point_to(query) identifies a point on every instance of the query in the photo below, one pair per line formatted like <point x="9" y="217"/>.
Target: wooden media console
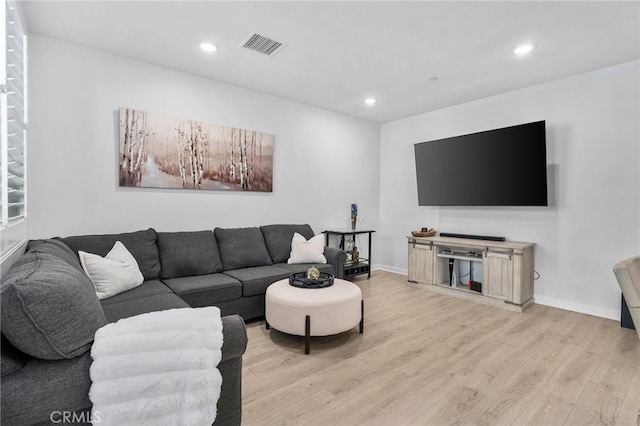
<point x="508" y="269"/>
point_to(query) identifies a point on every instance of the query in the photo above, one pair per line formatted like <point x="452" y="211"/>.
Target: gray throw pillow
<point x="185" y="254"/>
<point x="49" y="308"/>
<point x="141" y="244"/>
<point x="242" y="248"/>
<point x="278" y="239"/>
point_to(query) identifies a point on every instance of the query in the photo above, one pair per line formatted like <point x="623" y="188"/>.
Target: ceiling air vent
<point x="262" y="44"/>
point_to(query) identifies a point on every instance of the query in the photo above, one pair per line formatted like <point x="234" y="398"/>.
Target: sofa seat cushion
<point x="242" y="248"/>
<point x="146" y="289"/>
<point x="206" y="290"/>
<point x="278" y="239"/>
<point x="152" y="295"/>
<point x="302" y="267"/>
<point x="49" y="308"/>
<point x="132" y="307"/>
<point x="256" y="280"/>
<point x="185" y="254"/>
<point x="141" y="244"/>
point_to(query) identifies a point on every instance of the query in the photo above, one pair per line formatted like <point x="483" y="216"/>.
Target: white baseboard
<point x="578" y="307"/>
<point x="388" y="268"/>
<point x="540" y="300"/>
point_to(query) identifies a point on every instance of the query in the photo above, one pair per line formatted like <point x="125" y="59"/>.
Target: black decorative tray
<point x="299" y="279"/>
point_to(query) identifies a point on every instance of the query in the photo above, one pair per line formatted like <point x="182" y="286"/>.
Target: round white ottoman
<point x="314" y="311"/>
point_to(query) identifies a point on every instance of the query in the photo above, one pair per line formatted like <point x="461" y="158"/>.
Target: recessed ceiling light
<point x="208" y="47"/>
<point x="523" y="49"/>
<point x="370" y="101"/>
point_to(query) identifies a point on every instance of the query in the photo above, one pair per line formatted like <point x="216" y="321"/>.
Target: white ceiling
<point x="339" y="52"/>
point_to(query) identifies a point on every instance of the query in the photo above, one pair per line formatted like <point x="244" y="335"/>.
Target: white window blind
<point x="13" y="126"/>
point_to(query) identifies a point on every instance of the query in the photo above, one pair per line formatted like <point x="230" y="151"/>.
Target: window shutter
<point x="14" y="119"/>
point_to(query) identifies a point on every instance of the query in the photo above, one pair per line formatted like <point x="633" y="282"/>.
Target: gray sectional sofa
<point x="50" y="311"/>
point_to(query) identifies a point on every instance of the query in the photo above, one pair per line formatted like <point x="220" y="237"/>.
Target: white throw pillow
<point x="115" y="273"/>
<point x="303" y="251"/>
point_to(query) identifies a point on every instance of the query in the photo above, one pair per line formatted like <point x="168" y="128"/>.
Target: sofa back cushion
<point x="56" y="248"/>
<point x="278" y="239"/>
<point x="242" y="248"/>
<point x="185" y="254"/>
<point x="141" y="244"/>
<point x="49" y="308"/>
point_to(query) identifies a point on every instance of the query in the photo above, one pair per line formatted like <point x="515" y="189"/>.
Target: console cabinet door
<point x="421" y="259"/>
<point x="498" y="275"/>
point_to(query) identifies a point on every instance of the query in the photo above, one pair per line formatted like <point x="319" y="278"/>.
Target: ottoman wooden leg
<point x="362" y="318"/>
<point x="307" y="334"/>
<point x="266" y="324"/>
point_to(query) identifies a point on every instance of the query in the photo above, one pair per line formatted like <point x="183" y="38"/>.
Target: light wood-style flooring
<point x="432" y="359"/>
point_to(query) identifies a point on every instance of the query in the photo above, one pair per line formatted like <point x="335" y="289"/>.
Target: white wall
<point x="593" y="152"/>
<point x="323" y="161"/>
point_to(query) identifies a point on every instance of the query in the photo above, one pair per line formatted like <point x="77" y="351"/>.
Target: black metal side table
<point x="363" y="264"/>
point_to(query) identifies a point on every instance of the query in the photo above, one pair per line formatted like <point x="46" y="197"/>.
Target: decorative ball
<point x="313" y="273"/>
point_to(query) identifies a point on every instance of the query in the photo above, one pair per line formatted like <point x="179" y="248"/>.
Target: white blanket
<point x="158" y="368"/>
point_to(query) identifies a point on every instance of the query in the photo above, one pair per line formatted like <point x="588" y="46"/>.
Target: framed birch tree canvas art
<point x="157" y="151"/>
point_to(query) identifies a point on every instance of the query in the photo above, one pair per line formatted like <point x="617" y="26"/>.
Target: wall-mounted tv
<point x="501" y="167"/>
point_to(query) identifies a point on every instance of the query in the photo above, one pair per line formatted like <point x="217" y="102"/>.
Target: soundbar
<point x="473" y="237"/>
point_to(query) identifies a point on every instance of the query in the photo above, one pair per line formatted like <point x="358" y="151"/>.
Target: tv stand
<point x="507" y="280"/>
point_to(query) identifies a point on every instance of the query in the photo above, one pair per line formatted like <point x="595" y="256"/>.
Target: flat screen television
<point x="501" y="167"/>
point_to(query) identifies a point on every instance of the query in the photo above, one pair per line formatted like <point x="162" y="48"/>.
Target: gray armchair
<point x="628" y="275"/>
